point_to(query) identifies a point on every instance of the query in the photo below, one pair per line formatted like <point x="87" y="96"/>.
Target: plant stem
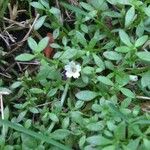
<point x="2" y="114"/>
<point x="63" y="97"/>
<point x="143" y="97"/>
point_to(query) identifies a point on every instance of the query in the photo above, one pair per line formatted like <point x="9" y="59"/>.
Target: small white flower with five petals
<point x="72" y="70"/>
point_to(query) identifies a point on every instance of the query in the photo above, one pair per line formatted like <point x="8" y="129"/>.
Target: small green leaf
<point x="56" y="33"/>
<point x="60" y="134"/>
<point x="147" y="11"/>
<point x="42" y="44"/>
<point x="129" y="18"/>
<point x="68" y="54"/>
<point x="112" y="55"/>
<point x="39" y="22"/>
<point x="146" y="143"/>
<point x="65" y="122"/>
<point x="86" y="95"/>
<point x="82" y="141"/>
<point x="120" y="131"/>
<point x="99" y="62"/>
<point x="45" y="3"/>
<point x="81" y="38"/>
<point x="127" y="92"/>
<point x="105" y="80"/>
<point x="37" y="5"/>
<point x="125" y="38"/>
<point x="53" y="117"/>
<point x="144" y="56"/>
<point x="123" y="49"/>
<point x="36" y="91"/>
<point x="32" y="43"/>
<point x="110" y="147"/>
<point x="145" y="81"/>
<point x="84" y="28"/>
<point x="25" y="57"/>
<point x="55" y="45"/>
<point x="79" y="104"/>
<point x="94" y="126"/>
<point x="86" y="6"/>
<point x="88" y="70"/>
<point x="98" y="140"/>
<point x="54" y="11"/>
<point x="15" y="84"/>
<point x="141" y="41"/>
<point x="34" y="110"/>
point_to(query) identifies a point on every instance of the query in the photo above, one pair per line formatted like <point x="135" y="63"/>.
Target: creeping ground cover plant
<point x="90" y="87"/>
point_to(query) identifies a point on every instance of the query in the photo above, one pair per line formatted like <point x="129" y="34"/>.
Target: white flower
<point x="133" y="78"/>
<point x="72" y="70"/>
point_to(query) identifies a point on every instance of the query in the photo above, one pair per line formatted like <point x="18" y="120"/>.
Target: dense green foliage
<point x="107" y="107"/>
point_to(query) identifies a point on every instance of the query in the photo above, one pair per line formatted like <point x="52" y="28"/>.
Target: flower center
<point x="73" y="69"/>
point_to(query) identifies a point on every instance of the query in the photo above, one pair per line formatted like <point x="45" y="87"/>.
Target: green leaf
<point x="82" y="141"/>
<point x="56" y="33"/>
<point x="36" y="91"/>
<point x="141" y="41"/>
<point x="105" y="80"/>
<point x="84" y="28"/>
<point x="94" y="126"/>
<point x="39" y="22"/>
<point x="88" y="70"/>
<point x="133" y="144"/>
<point x="32" y="43"/>
<point x="42" y="44"/>
<point x="37" y="5"/>
<point x="68" y="54"/>
<point x="21" y="116"/>
<point x="145" y="81"/>
<point x="81" y="38"/>
<point x="86" y="95"/>
<point x="34" y="110"/>
<point x="110" y="147"/>
<point x="112" y="55"/>
<point x="86" y="6"/>
<point x="74" y="8"/>
<point x="123" y="49"/>
<point x="53" y="117"/>
<point x="79" y="104"/>
<point x="125" y="38"/>
<point x="60" y="134"/>
<point x="146" y="143"/>
<point x="140" y="29"/>
<point x="144" y="56"/>
<point x="28" y="141"/>
<point x="55" y="11"/>
<point x="98" y="140"/>
<point x="36" y="135"/>
<point x="25" y="57"/>
<point x="129" y="18"/>
<point x="98" y="61"/>
<point x="55" y="45"/>
<point x="147" y="11"/>
<point x="127" y="92"/>
<point x="45" y="3"/>
<point x="5" y="90"/>
<point x="65" y="122"/>
<point x="120" y="131"/>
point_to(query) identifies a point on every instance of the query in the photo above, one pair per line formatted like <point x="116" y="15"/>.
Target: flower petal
<point x="69" y="74"/>
<point x="76" y="75"/>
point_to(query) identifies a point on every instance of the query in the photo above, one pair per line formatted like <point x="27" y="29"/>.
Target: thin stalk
<point x="2" y="114"/>
<point x="63" y="97"/>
